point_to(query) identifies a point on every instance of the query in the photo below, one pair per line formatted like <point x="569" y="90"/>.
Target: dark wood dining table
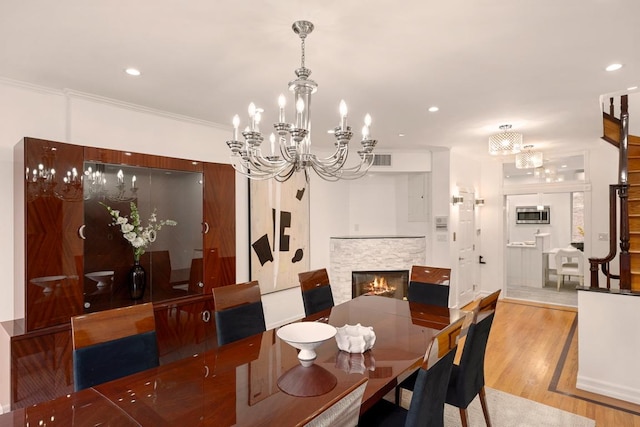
<point x="237" y="384"/>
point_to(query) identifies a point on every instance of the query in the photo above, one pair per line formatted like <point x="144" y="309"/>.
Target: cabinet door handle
<point x="81" y="232"/>
<point x="200" y="285"/>
<point x="205" y="227"/>
<point x="206" y="316"/>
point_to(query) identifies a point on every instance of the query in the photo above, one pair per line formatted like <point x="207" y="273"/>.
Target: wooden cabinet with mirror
<point x="76" y="261"/>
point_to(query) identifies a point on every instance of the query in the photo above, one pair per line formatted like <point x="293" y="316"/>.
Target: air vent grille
<point x="382" y="160"/>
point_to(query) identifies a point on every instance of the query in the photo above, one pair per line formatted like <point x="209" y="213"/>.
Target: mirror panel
<point x="108" y="257"/>
<point x="555" y="169"/>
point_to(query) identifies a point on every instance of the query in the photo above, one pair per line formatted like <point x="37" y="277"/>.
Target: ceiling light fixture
<point x="528" y="158"/>
<point x="506" y="142"/>
<point x="613" y="67"/>
<point x="433" y="109"/>
<point x="291" y="148"/>
<point x="133" y="72"/>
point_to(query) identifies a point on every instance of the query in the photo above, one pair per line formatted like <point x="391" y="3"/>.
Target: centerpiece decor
<point x="140" y="238"/>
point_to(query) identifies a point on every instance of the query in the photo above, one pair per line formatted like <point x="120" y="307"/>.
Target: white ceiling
<point x="535" y="64"/>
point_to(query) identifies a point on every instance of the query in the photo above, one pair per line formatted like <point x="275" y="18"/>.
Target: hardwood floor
<point x="532" y="352"/>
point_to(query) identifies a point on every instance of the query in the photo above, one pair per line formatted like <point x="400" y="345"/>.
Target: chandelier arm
<point x="258" y="175"/>
<point x="260" y="161"/>
<point x="334" y="161"/>
<point x="346" y="173"/>
<point x="269" y="171"/>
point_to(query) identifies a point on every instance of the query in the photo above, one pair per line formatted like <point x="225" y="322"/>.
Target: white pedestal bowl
<point x="306" y="336"/>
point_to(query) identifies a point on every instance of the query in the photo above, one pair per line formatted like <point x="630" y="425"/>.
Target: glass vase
<point x="137" y="280"/>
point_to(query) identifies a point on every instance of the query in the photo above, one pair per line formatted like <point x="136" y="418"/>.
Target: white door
<point x="466" y="249"/>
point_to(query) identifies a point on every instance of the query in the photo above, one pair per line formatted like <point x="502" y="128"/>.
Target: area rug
<point x="507" y="410"/>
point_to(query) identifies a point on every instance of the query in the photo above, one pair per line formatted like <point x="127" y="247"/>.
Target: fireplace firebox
<point x="387" y="283"/>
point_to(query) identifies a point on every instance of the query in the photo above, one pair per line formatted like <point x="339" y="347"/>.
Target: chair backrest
<point x="468" y="376"/>
<point x="429" y="285"/>
<point x="429" y="393"/>
<point x="575" y="259"/>
<point x="316" y="291"/>
<point x="238" y="311"/>
<point x="114" y="343"/>
<point x="158" y="264"/>
<point x="490" y="302"/>
<point x="344" y="410"/>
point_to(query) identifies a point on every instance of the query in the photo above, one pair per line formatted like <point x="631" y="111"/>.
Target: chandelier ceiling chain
<point x="291" y="149"/>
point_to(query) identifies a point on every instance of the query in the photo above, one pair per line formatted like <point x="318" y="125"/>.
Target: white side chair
<point x="569" y="262"/>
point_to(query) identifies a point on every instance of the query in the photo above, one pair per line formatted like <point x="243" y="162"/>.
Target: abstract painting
<point x="279" y="232"/>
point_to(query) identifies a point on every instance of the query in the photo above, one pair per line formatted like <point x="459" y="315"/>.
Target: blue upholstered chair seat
<point x="428" y="293"/>
<point x="107" y="361"/>
<point x="240" y="322"/>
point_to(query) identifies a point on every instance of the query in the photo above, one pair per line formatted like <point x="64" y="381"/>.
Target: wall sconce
<point x="457" y="200"/>
<point x="479" y="202"/>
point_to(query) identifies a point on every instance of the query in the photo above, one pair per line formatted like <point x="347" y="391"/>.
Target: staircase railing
<point x="621" y="190"/>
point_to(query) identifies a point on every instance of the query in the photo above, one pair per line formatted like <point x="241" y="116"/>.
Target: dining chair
<point x="569" y="262"/>
<point x="429" y="285"/>
<point x="112" y="344"/>
<point x="467" y="375"/>
<point x="344" y="410"/>
<point x="430" y="387"/>
<point x="238" y="311"/>
<point x="316" y="291"/>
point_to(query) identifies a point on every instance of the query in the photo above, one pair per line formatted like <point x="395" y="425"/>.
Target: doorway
<point x="532" y="244"/>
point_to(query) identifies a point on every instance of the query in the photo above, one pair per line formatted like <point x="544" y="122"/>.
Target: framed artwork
<point x="279" y="232"/>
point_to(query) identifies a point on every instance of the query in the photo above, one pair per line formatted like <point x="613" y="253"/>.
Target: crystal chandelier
<point x="506" y="142"/>
<point x="528" y="158"/>
<point x="290" y="146"/>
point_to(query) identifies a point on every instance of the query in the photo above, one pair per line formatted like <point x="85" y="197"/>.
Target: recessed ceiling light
<point x="613" y="67"/>
<point x="632" y="88"/>
<point x="433" y="109"/>
<point x="133" y="72"/>
<point x="563" y="166"/>
<point x="401" y="134"/>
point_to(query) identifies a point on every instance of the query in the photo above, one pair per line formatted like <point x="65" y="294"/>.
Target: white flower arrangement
<point x="132" y="230"/>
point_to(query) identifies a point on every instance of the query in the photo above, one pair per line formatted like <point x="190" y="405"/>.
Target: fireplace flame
<point x="379" y="286"/>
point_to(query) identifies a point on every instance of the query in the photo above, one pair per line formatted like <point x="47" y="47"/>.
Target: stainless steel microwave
<point x="533" y="215"/>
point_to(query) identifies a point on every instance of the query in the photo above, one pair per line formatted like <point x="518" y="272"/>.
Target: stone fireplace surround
<point x="360" y="253"/>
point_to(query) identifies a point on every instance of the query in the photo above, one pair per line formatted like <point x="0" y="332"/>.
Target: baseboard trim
<point x="604" y="388"/>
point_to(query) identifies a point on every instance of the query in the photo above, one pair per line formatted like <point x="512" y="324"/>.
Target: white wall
<point x="559" y="227"/>
<point x="608" y="337"/>
<point x="493" y="273"/>
<point x="465" y="174"/>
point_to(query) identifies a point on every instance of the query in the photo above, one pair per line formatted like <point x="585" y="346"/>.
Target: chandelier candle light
<point x="290" y="147"/>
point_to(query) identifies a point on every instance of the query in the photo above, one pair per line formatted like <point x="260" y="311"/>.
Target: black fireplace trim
<point x="405" y="283"/>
